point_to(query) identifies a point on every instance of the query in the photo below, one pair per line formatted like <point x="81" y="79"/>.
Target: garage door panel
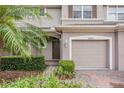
<point x="90" y="54"/>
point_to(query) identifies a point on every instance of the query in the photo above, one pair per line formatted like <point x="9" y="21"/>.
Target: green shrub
<point x="50" y="82"/>
<point x="27" y="82"/>
<point x="68" y="65"/>
<point x="40" y="82"/>
<point x="65" y="69"/>
<point x="53" y="82"/>
<point x="18" y="63"/>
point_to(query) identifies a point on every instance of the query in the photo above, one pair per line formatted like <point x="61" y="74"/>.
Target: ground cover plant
<point x="40" y="81"/>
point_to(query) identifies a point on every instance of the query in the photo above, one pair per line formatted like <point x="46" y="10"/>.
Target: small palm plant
<point x="18" y="40"/>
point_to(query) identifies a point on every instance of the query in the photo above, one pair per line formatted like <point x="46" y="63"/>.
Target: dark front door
<point x="56" y="48"/>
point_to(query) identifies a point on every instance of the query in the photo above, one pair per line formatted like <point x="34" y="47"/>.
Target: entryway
<point x="52" y="52"/>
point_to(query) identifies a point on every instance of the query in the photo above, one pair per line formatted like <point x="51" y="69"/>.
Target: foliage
<point x="18" y="63"/>
<point x="53" y="82"/>
<point x="40" y="82"/>
<point x="8" y="76"/>
<point x="65" y="69"/>
<point x="28" y="82"/>
<point x="16" y="39"/>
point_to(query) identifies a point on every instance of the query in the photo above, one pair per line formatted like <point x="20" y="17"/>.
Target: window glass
<point x="42" y="12"/>
<point x="87" y="14"/>
<point x="116" y="13"/>
<point x="112" y="9"/>
<point x="112" y="16"/>
<point x="87" y="11"/>
<point x="77" y="8"/>
<point x="77" y="14"/>
<point x="77" y="11"/>
<point x="87" y="8"/>
<point x="121" y="16"/>
<point x="120" y="9"/>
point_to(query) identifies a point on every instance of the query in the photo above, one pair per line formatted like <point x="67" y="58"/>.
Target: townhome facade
<point x="91" y="35"/>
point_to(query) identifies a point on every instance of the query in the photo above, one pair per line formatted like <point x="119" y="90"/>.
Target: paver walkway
<point x="95" y="79"/>
<point x="49" y="70"/>
<point x="102" y="79"/>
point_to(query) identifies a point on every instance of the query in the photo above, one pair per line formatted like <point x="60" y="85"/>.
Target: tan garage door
<point x="89" y="54"/>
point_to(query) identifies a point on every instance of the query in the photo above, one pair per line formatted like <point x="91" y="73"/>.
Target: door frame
<point x="92" y="37"/>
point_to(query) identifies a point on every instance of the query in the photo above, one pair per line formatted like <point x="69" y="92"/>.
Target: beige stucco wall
<point x="66" y="36"/>
<point x="54" y="21"/>
<point x="120" y="51"/>
<point x="48" y="51"/>
<point x="100" y="14"/>
<point x="44" y="21"/>
<point x="64" y="11"/>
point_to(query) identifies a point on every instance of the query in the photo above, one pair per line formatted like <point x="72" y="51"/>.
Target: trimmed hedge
<point x="67" y="65"/>
<point x="18" y="63"/>
<point x="65" y="69"/>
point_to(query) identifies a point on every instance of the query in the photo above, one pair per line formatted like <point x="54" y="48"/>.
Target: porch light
<point x="66" y="44"/>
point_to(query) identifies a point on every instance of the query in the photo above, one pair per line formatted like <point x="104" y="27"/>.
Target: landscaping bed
<point x="29" y="80"/>
<point x="61" y="77"/>
<point x="9" y="76"/>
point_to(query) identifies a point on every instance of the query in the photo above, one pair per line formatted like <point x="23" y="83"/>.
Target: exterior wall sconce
<point x="66" y="43"/>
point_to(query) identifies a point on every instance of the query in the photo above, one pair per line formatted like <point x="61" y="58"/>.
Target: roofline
<point x="91" y="28"/>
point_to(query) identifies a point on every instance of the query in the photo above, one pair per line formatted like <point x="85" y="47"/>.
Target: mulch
<point x="8" y="76"/>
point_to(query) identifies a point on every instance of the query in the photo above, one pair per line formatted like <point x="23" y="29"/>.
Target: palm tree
<point x="17" y="40"/>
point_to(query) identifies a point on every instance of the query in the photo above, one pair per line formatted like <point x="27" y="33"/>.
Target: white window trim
<point x="92" y="37"/>
<point x="82" y="12"/>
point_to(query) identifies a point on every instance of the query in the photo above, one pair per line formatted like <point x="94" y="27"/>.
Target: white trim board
<point x="92" y="37"/>
<point x="79" y="68"/>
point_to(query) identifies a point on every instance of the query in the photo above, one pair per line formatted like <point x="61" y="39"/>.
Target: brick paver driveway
<point x="101" y="79"/>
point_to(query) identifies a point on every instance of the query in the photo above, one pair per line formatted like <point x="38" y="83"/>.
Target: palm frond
<point x="16" y="39"/>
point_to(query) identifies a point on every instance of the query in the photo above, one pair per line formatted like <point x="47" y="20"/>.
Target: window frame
<point x="116" y="13"/>
<point x="87" y="11"/>
<point x="82" y="12"/>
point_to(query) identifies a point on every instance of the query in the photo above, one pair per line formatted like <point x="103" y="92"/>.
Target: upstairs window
<point x="42" y="12"/>
<point x="80" y="11"/>
<point x="115" y="13"/>
<point x="87" y="11"/>
<point x="77" y="11"/>
<point x="120" y="13"/>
